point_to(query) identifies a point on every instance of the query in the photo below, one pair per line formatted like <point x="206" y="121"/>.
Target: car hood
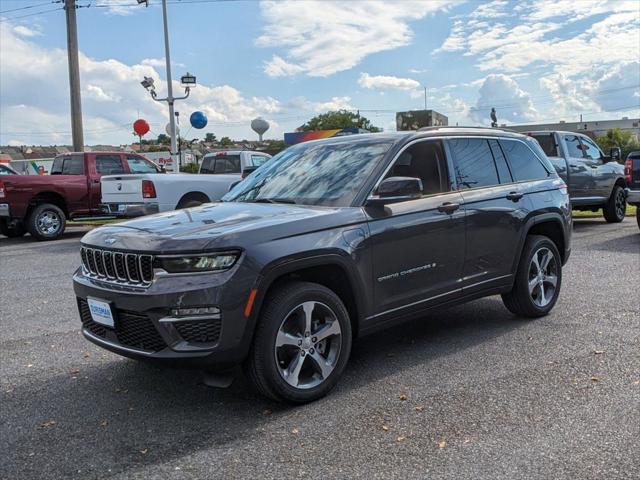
<point x="219" y="225"/>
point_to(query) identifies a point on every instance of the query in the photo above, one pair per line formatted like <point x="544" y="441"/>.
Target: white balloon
<point x="168" y="129"/>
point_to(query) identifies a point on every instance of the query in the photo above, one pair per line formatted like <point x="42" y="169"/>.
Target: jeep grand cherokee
<point x="330" y="240"/>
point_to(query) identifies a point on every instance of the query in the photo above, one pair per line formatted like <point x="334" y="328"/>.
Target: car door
<point x="495" y="210"/>
<point x="418" y="245"/>
<point x="580" y="174"/>
<point x="603" y="176"/>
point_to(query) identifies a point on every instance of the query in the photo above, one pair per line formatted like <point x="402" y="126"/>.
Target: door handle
<point x="514" y="196"/>
<point x="448" y="207"/>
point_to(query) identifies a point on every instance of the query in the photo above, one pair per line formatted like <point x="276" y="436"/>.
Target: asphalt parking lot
<point x="469" y="392"/>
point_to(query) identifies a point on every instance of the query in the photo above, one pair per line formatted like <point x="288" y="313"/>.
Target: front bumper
<point x="144" y="327"/>
<point x="129" y="210"/>
<point x="4" y="210"/>
<point x="633" y="196"/>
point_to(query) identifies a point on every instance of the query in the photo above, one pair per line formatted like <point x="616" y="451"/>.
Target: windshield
<point x="329" y="174"/>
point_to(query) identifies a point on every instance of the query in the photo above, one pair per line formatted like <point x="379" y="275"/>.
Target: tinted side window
<point x="109" y="164"/>
<point x="548" y="143"/>
<point x="423" y="160"/>
<point x="73" y="166"/>
<point x="501" y="162"/>
<point x="56" y="168"/>
<point x="257" y="160"/>
<point x="523" y="162"/>
<point x="474" y="165"/>
<point x="592" y="151"/>
<point x="574" y="148"/>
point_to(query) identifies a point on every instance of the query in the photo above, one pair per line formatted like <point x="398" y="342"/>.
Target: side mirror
<point x="615" y="154"/>
<point x="396" y="189"/>
<point x="248" y="170"/>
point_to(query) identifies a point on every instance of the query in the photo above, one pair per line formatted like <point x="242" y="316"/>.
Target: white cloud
<point x="512" y="104"/>
<point x="31" y="109"/>
<point x="119" y="7"/>
<point x="322" y="38"/>
<point x="336" y="103"/>
<point x="159" y="63"/>
<point x="387" y="81"/>
<point x="279" y="67"/>
<point x="24" y="31"/>
<point x="619" y="88"/>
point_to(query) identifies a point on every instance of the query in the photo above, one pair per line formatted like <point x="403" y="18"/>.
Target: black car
<point x="329" y="241"/>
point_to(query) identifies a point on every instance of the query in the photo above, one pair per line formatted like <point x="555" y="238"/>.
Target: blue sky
<point x="289" y="60"/>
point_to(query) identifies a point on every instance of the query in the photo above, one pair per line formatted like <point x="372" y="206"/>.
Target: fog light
<point x="196" y="311"/>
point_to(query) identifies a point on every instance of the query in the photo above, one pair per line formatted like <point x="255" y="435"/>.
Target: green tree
<point x="225" y="142"/>
<point x="337" y="120"/>
<point x="164" y="139"/>
<point x="275" y="146"/>
<point x="616" y="137"/>
<point x="210" y="137"/>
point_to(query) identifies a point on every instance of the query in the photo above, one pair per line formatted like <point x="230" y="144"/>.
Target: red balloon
<point x="141" y="127"/>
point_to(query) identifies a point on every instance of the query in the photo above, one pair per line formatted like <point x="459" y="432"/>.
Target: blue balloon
<point x="198" y="120"/>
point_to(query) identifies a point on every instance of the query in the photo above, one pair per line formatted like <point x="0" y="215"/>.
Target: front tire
<point x="616" y="206"/>
<point x="14" y="231"/>
<point x="538" y="279"/>
<point x="301" y="344"/>
<point x="46" y="222"/>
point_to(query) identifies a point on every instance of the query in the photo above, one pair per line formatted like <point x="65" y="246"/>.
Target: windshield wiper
<point x="273" y="200"/>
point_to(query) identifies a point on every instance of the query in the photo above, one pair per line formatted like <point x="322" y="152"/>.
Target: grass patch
<point x="631" y="212"/>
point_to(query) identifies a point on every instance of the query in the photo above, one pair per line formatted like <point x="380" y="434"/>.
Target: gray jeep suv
<point x="330" y="240"/>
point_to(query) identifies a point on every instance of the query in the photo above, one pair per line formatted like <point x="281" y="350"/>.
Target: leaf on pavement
<point x="47" y="424"/>
<point x="419" y="408"/>
<point x="598" y="352"/>
<point x="401" y="439"/>
<point x="104" y="423"/>
<point x="442" y="444"/>
<point x="403" y="397"/>
<point x="385" y="428"/>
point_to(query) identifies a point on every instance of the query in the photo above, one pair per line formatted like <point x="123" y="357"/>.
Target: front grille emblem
<point x="110" y="241"/>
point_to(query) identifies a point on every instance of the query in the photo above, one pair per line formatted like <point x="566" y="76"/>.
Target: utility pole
<point x="425" y="98"/>
<point x="74" y="75"/>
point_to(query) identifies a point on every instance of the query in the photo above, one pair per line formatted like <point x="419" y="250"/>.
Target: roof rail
<point x="502" y="129"/>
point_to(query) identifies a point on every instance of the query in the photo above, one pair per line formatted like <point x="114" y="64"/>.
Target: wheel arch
<point x="330" y="270"/>
<point x="195" y="195"/>
<point x="550" y="225"/>
<point x="47" y="197"/>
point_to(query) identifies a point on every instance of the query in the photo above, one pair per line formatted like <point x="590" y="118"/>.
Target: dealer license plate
<point x="101" y="312"/>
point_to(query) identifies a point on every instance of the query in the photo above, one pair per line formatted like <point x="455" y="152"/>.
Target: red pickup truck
<point x="41" y="204"/>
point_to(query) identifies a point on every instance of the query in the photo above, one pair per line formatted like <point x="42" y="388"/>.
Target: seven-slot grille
<point x="118" y="267"/>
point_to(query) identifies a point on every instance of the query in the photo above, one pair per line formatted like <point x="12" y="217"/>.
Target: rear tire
<point x="14" y="231"/>
<point x="301" y="343"/>
<point x="538" y="279"/>
<point x="46" y="222"/>
<point x="616" y="206"/>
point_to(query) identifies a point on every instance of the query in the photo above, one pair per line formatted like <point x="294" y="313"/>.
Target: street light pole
<point x="170" y="99"/>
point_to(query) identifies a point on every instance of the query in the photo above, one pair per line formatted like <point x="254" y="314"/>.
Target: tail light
<point x="148" y="189"/>
<point x="628" y="171"/>
<point x="2" y="189"/>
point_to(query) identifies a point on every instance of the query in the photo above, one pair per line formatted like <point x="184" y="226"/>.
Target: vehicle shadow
<point x="29" y="240"/>
<point x="627" y="244"/>
<point x="119" y="414"/>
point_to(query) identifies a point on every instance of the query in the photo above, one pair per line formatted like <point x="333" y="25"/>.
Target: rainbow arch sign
<point x="299" y="137"/>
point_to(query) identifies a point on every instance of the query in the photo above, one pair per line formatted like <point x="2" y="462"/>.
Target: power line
<point x="6" y="19"/>
<point x="27" y="7"/>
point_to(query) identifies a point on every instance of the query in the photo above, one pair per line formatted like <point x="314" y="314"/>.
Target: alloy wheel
<point x="308" y="344"/>
<point x="48" y="222"/>
<point x="620" y="204"/>
<point x="543" y="277"/>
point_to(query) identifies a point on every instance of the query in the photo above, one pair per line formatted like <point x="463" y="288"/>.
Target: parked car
<point x="595" y="180"/>
<point x="7" y="170"/>
<point x="632" y="177"/>
<point x="331" y="240"/>
<point x="41" y="204"/>
<point x="136" y="195"/>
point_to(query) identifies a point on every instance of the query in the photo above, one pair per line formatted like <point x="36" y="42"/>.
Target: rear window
<point x="221" y="164"/>
<point x="524" y="164"/>
<point x="548" y="143"/>
<point x="109" y="164"/>
<point x="140" y="165"/>
<point x="68" y="165"/>
<point x="474" y="165"/>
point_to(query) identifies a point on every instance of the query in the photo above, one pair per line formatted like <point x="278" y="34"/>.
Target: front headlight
<point x="213" y="262"/>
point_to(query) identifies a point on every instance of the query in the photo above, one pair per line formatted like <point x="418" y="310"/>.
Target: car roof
<point x="426" y="132"/>
<point x="566" y="132"/>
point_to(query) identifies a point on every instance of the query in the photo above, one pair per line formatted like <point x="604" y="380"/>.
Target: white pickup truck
<point x="143" y="194"/>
